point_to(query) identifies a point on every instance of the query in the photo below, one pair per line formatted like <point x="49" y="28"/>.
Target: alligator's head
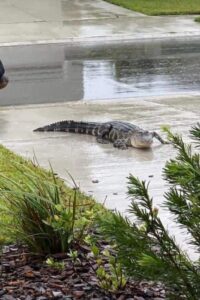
<point x="141" y="139"/>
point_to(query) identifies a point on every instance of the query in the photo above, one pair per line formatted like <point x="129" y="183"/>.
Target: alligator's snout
<point x="142" y="140"/>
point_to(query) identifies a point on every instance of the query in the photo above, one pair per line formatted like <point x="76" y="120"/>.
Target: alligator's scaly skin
<point x="121" y="134"/>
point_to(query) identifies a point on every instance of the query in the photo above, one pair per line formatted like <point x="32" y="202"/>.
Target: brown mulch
<point x="27" y="277"/>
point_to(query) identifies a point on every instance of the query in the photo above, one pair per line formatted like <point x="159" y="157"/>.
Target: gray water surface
<point x="59" y="73"/>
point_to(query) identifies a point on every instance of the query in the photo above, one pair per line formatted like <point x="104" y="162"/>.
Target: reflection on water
<point x="57" y="73"/>
<point x="140" y="77"/>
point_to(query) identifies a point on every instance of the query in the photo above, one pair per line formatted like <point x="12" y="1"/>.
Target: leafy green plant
<point x="111" y="276"/>
<point x="114" y="279"/>
<point x="73" y="254"/>
<point x="145" y="247"/>
<point x="41" y="212"/>
<point x="55" y="264"/>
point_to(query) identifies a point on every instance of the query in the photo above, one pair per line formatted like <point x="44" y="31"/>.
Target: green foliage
<point x="183" y="198"/>
<point x="55" y="264"/>
<point x="160" y="7"/>
<point x="8" y="161"/>
<point x="111" y="277"/>
<point x="195" y="131"/>
<point x="73" y="254"/>
<point x="38" y="210"/>
<point x="145" y="248"/>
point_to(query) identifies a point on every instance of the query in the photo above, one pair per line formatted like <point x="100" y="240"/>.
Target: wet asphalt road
<point x="59" y="73"/>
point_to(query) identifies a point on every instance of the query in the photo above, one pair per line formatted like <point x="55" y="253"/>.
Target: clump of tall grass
<point x="38" y="210"/>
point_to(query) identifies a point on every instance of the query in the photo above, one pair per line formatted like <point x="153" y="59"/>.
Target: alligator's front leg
<point x="120" y="144"/>
<point x="103" y="134"/>
<point x="158" y="137"/>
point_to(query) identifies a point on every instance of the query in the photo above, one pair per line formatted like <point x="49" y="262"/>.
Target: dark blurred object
<point x="3" y="78"/>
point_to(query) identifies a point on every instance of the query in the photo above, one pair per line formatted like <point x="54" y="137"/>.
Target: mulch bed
<point x="28" y="277"/>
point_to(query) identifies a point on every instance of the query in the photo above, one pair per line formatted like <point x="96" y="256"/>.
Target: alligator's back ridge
<point x="124" y="126"/>
<point x="71" y="126"/>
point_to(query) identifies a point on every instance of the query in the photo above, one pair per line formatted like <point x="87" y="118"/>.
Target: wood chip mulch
<point x="27" y="277"/>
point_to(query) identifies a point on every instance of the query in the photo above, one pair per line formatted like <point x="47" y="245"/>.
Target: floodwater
<point x="59" y="73"/>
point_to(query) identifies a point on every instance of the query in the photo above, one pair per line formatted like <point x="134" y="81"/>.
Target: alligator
<point x="121" y="134"/>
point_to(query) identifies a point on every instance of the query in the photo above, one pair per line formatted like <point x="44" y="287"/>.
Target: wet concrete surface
<point x="88" y="161"/>
<point x="63" y="72"/>
<point x="27" y="21"/>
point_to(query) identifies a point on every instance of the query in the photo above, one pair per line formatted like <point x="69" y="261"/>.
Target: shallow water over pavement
<point x="59" y="73"/>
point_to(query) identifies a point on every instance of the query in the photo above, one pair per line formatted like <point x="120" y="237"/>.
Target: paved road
<point x="59" y="73"/>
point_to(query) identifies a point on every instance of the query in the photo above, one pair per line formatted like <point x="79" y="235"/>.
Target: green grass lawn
<point x="161" y="7"/>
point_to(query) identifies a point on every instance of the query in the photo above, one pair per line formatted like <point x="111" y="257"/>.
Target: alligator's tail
<point x="72" y="126"/>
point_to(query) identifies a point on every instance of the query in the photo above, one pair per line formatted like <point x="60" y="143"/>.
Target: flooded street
<point x="59" y="73"/>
